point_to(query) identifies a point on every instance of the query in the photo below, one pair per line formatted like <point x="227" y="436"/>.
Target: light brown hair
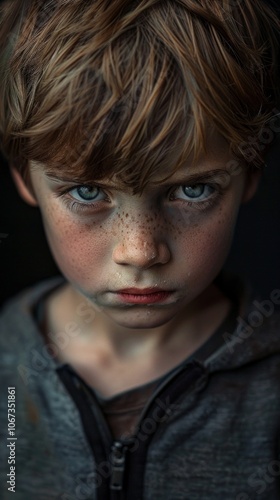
<point x="101" y="88"/>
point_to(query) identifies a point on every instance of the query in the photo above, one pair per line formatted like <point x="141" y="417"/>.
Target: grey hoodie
<point x="210" y="431"/>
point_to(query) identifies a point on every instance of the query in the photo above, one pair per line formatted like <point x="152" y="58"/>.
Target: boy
<point x="138" y="129"/>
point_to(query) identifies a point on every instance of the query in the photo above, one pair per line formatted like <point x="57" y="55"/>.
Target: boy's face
<point x="172" y="240"/>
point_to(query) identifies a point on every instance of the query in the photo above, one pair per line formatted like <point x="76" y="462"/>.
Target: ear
<point x="251" y="185"/>
<point x="24" y="191"/>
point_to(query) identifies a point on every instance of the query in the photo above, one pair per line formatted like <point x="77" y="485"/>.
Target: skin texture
<point x="154" y="240"/>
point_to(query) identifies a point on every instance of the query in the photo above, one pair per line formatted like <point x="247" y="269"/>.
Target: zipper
<point x="120" y="459"/>
<point x="160" y="388"/>
<point x="91" y="396"/>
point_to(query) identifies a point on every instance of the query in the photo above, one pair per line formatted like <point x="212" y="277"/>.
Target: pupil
<point x="194" y="191"/>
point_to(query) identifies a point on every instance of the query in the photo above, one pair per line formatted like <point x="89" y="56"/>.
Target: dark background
<point x="25" y="258"/>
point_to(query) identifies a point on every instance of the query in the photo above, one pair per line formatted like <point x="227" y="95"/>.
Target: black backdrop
<point x="25" y="258"/>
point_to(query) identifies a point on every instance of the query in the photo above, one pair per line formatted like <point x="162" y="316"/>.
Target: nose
<point x="142" y="249"/>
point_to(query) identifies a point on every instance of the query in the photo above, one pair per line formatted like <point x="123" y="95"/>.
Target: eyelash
<point x="79" y="207"/>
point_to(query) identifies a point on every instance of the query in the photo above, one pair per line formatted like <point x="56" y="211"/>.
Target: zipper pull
<point x="117" y="465"/>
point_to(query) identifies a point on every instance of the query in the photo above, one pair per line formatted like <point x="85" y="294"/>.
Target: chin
<point x="141" y="319"/>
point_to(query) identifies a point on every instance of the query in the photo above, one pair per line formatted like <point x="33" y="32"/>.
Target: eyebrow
<point x="195" y="177"/>
<point x="198" y="176"/>
<point x="50" y="175"/>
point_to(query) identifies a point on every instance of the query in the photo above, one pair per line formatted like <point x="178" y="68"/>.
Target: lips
<point x="143" y="296"/>
<point x="141" y="291"/>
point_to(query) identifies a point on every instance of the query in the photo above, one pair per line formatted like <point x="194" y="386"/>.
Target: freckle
<point x="126" y="215"/>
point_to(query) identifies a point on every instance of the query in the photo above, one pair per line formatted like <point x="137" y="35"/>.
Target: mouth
<point x="143" y="296"/>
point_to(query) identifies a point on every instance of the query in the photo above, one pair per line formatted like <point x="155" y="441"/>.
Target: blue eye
<point x="83" y="198"/>
<point x="195" y="193"/>
<point x="88" y="193"/>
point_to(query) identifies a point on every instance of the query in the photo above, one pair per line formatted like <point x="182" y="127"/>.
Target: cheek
<point x="204" y="247"/>
<point x="211" y="247"/>
<point x="78" y="252"/>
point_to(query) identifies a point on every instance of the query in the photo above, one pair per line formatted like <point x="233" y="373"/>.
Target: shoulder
<point x="22" y="348"/>
<point x="18" y="326"/>
<point x="254" y="339"/>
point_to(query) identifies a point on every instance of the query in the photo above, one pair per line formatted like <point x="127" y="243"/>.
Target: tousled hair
<point x="129" y="88"/>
